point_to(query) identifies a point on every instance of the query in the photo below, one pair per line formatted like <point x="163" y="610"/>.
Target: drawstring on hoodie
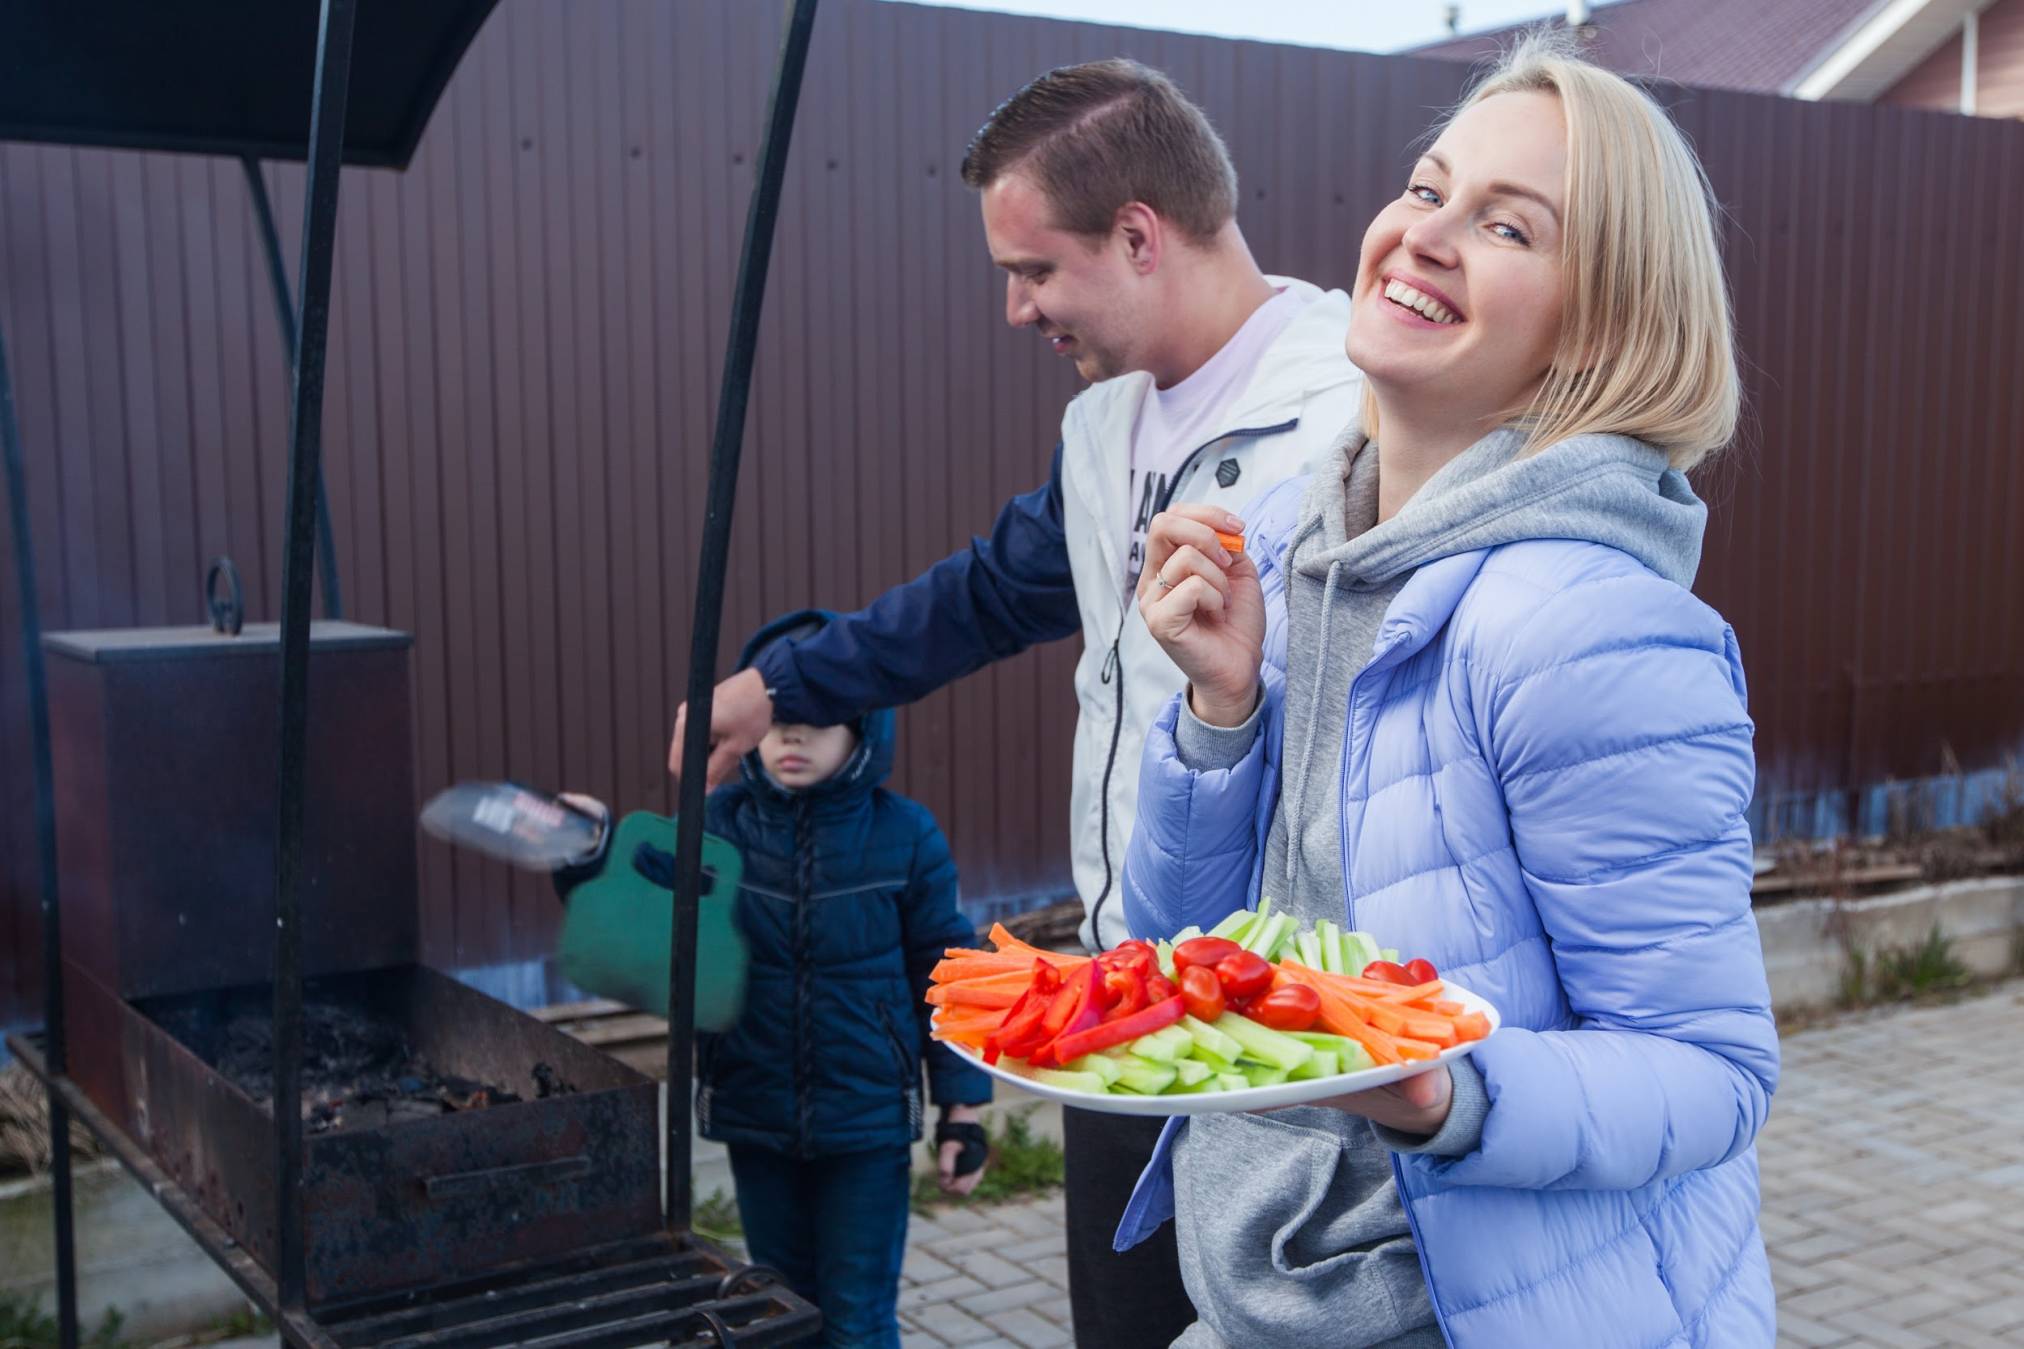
<point x="1298" y="798"/>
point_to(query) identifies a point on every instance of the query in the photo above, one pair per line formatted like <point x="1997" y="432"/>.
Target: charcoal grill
<point x="445" y="1170"/>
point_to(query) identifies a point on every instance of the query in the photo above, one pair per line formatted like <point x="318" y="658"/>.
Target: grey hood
<point x="1603" y="489"/>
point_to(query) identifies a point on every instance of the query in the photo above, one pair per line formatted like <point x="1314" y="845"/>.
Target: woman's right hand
<point x="1205" y="609"/>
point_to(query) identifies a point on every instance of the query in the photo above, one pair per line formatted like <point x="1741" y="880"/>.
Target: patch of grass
<point x="1892" y="974"/>
<point x="1021" y="1164"/>
<point x="24" y="1325"/>
<point x="716" y="1218"/>
<point x="244" y="1324"/>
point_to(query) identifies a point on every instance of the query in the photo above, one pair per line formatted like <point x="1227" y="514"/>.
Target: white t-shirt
<point x="1177" y="421"/>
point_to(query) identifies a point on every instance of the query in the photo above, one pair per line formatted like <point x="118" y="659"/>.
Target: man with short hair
<point x="1110" y="203"/>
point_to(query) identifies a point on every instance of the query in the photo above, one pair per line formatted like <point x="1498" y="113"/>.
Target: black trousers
<point x="1129" y="1301"/>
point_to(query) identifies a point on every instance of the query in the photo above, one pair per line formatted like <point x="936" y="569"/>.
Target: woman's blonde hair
<point x="1646" y="345"/>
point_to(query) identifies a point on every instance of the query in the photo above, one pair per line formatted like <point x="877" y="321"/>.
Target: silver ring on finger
<point x="1162" y="582"/>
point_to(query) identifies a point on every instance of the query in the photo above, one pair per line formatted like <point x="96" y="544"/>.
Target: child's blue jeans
<point x="837" y="1228"/>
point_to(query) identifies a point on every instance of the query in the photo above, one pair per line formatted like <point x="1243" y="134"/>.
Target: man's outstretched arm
<point x="982" y="603"/>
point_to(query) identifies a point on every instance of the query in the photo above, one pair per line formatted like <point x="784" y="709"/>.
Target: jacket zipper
<point x="1112" y="668"/>
<point x="1349" y="915"/>
<point x="804" y="886"/>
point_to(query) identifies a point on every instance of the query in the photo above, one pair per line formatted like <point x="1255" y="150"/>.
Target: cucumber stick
<point x="1104" y="1066"/>
<point x="1147" y="1079"/>
<point x="1323" y="1064"/>
<point x="1164" y="1045"/>
<point x="1055" y="1077"/>
<point x="1262" y="1043"/>
<point x="1211" y="1041"/>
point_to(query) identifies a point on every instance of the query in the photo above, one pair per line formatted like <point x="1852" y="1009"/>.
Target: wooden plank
<point x="576" y="1011"/>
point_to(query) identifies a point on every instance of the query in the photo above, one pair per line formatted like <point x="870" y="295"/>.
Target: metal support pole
<point x="284" y="311"/>
<point x="55" y="1052"/>
<point x="305" y="444"/>
<point x="760" y="218"/>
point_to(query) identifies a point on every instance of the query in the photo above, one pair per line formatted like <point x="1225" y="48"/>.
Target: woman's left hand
<point x="1413" y="1105"/>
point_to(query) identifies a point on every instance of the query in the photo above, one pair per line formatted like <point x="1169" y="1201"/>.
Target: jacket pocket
<point x="908" y="1065"/>
<point x="1294" y="1229"/>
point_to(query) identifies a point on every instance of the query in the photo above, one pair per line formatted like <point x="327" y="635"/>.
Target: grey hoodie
<point x="1290" y="1226"/>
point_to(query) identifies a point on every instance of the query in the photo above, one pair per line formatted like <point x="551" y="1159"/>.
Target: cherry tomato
<point x="1244" y="975"/>
<point x="1203" y="951"/>
<point x="1292" y="1007"/>
<point x="1421" y="972"/>
<point x="1388" y="971"/>
<point x="1201" y="993"/>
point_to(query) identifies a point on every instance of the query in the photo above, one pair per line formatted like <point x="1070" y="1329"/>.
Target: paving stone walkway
<point x="1893" y="1172"/>
<point x="1893" y="1199"/>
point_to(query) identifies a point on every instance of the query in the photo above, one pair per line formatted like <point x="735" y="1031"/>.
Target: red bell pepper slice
<point x="1021" y="1030"/>
<point x="1080" y="996"/>
<point x="1128" y="988"/>
<point x="1124" y="1030"/>
<point x="1132" y="955"/>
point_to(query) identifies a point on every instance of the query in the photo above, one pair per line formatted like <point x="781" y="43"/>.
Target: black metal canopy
<point x="223" y="77"/>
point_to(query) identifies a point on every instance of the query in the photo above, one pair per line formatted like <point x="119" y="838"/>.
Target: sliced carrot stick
<point x="1010" y="945"/>
<point x="1416" y="1049"/>
<point x="1017" y="979"/>
<point x="973" y="995"/>
<point x="1383" y="1015"/>
<point x="968" y="964"/>
<point x="1472" y="1026"/>
<point x="1446" y="1008"/>
<point x="963" y="1020"/>
<point x="1438" y="1030"/>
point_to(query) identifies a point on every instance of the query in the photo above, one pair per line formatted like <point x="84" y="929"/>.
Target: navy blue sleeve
<point x="980" y="604"/>
<point x="932" y="923"/>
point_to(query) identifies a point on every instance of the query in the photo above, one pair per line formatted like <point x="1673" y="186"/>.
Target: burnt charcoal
<point x="356" y="1072"/>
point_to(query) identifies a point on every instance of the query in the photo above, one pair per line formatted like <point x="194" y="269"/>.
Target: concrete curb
<point x="1805" y="957"/>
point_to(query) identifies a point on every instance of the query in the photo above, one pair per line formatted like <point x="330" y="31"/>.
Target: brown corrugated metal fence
<point x="524" y="351"/>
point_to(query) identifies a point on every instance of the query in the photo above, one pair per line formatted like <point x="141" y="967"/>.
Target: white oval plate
<point x="1250" y="1098"/>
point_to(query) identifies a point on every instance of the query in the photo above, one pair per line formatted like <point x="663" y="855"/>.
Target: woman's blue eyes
<point x="1502" y="228"/>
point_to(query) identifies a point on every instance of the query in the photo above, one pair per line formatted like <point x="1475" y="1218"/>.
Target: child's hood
<point x="871" y="763"/>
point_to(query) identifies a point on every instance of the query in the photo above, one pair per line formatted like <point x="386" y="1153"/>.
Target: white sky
<point x="1360" y="25"/>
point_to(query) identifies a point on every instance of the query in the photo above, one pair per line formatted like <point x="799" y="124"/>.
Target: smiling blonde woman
<point x="1457" y="693"/>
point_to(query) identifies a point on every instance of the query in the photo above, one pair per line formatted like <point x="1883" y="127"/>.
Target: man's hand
<point x="947" y="1155"/>
<point x="741" y="712"/>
